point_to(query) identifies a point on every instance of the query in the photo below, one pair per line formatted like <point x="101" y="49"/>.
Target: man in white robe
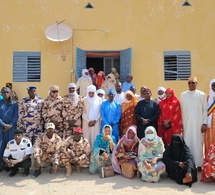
<point x="91" y="115"/>
<point x="119" y="95"/>
<point x="83" y="82"/>
<point x="194" y="119"/>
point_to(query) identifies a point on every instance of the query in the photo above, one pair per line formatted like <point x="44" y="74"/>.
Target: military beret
<point x="18" y="131"/>
<point x="31" y="88"/>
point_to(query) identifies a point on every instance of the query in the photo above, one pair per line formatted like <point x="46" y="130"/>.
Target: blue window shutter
<point x="125" y="63"/>
<point x="80" y="62"/>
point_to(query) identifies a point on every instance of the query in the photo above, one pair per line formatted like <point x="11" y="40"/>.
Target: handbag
<point x="167" y="126"/>
<point x="106" y="171"/>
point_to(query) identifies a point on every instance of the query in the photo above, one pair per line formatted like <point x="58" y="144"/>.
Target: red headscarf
<point x="172" y="99"/>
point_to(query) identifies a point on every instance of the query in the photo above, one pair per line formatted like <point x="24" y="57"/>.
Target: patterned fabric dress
<point x="209" y="137"/>
<point x="147" y="151"/>
<point x="169" y="109"/>
<point x="128" y="117"/>
<point x="208" y="167"/>
<point x="126" y="147"/>
<point x="96" y="160"/>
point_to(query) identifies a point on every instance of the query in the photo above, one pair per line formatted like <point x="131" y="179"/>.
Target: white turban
<point x="71" y="85"/>
<point x="91" y="88"/>
<point x="161" y="89"/>
<point x="100" y="91"/>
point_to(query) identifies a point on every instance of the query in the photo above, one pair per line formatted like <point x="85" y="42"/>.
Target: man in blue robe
<point x="8" y="120"/>
<point x="111" y="112"/>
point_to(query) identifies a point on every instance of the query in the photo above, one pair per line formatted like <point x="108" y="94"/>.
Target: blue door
<point x="125" y="63"/>
<point x="80" y="62"/>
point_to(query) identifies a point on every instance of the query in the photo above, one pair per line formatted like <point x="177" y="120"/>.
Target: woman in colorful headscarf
<point x="125" y="153"/>
<point x="109" y="83"/>
<point x="115" y="73"/>
<point x="170" y="121"/>
<point x="128" y="117"/>
<point x="179" y="161"/>
<point x="92" y="74"/>
<point x="150" y="153"/>
<point x="91" y="118"/>
<point x="83" y="82"/>
<point x="8" y="120"/>
<point x="102" y="150"/>
<point x="208" y="167"/>
<point x="100" y="79"/>
<point x="210" y="133"/>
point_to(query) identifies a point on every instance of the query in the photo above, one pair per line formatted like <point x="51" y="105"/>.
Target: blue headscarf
<point x="100" y="143"/>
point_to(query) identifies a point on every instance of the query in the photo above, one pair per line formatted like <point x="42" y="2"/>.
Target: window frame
<point x="26" y="66"/>
<point x="178" y="66"/>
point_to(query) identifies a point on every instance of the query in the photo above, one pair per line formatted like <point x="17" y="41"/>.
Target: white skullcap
<point x="91" y="88"/>
<point x="71" y="85"/>
<point x="161" y="89"/>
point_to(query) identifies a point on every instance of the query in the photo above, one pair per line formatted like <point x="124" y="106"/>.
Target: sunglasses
<point x="54" y="91"/>
<point x="191" y="83"/>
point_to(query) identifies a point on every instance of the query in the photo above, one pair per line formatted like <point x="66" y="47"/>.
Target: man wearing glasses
<point x="194" y="119"/>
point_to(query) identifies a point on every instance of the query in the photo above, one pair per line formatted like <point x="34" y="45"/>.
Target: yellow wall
<point x="149" y="27"/>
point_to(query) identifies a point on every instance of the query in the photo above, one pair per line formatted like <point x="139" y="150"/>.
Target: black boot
<point x="25" y="173"/>
<point x="13" y="172"/>
<point x="36" y="173"/>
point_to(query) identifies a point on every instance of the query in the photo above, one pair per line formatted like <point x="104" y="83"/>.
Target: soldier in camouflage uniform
<point x="47" y="150"/>
<point x="52" y="109"/>
<point x="30" y="115"/>
<point x="72" y="111"/>
<point x="76" y="150"/>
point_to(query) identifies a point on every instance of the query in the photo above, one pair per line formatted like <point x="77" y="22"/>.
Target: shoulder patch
<point x="11" y="142"/>
<point x="7" y="147"/>
<point x="28" y="145"/>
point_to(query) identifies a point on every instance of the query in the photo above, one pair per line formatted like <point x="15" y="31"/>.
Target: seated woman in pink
<point x="125" y="153"/>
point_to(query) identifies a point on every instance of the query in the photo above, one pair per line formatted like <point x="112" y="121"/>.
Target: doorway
<point x="104" y="61"/>
<point x="103" y="64"/>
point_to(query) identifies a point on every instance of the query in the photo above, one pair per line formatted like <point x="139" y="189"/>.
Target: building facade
<point x="161" y="42"/>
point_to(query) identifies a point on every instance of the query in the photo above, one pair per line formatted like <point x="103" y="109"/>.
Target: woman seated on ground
<point x="208" y="167"/>
<point x="102" y="150"/>
<point x="150" y="153"/>
<point x="125" y="153"/>
<point x="179" y="161"/>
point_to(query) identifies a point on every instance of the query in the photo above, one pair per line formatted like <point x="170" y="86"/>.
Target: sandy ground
<point x="86" y="183"/>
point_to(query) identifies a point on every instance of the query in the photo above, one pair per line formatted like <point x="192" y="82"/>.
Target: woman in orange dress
<point x="210" y="133"/>
<point x="128" y="117"/>
<point x="170" y="121"/>
<point x="208" y="167"/>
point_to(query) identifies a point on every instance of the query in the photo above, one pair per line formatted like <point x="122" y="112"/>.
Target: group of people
<point x="107" y="123"/>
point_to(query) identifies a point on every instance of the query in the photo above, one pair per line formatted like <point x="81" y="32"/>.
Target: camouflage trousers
<point x="67" y="157"/>
<point x="33" y="131"/>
